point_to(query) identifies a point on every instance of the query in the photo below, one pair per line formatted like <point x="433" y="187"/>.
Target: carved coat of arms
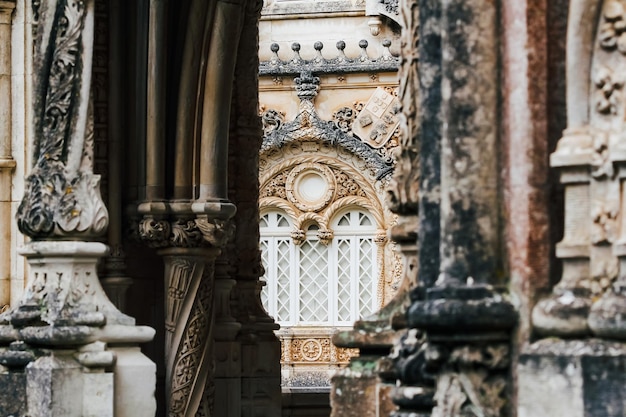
<point x="378" y="120"/>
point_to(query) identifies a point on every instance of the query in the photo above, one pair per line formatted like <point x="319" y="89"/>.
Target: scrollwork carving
<point x="53" y="205"/>
<point x="343" y="118"/>
<point x="185" y="233"/>
<point x="216" y="232"/>
<point x="347" y="186"/>
<point x="154" y="231"/>
<point x="272" y="120"/>
<point x="62" y="196"/>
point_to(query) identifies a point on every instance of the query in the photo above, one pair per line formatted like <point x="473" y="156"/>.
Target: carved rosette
<point x="62" y="197"/>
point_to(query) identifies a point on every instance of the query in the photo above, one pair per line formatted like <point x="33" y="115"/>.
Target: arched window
<point x="318" y="284"/>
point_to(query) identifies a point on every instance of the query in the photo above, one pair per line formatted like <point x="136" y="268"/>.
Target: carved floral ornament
<point x="62" y="195"/>
<point x="185" y="232"/>
<point x="369" y="131"/>
<point x="312" y="192"/>
<point x="613" y="29"/>
<point x="318" y="350"/>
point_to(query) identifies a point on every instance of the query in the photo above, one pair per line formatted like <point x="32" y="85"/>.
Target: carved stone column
<point x="7" y="163"/>
<point x="260" y="348"/>
<point x="115" y="281"/>
<point x="607" y="317"/>
<point x="65" y="327"/>
<point x="189" y="244"/>
<point x="189" y="326"/>
<point x="461" y="319"/>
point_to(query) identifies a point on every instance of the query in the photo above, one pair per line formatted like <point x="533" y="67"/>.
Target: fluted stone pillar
<point x="64" y="333"/>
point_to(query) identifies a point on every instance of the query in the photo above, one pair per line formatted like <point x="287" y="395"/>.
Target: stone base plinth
<point x="135" y="382"/>
<point x="358" y="392"/>
<point x="572" y="378"/>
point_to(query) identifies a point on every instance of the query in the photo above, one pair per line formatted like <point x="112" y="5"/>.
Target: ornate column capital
<point x="186" y="224"/>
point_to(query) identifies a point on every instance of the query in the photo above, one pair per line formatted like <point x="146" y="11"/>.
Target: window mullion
<point x="333" y="298"/>
<point x="354" y="279"/>
<point x="294" y="271"/>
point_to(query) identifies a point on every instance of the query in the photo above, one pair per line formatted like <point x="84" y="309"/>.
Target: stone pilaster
<point x="589" y="298"/>
<point x="364" y="388"/>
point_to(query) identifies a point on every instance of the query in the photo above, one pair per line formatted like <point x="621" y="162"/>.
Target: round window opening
<point x="312" y="187"/>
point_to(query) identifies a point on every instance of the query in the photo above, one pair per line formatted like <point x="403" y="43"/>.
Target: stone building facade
<point x="328" y="101"/>
<point x="507" y="192"/>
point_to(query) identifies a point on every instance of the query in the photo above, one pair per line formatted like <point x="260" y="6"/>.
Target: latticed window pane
<point x="282" y="221"/>
<point x="263" y="221"/>
<point x="367" y="277"/>
<point x="364" y="220"/>
<point x="276" y="256"/>
<point x="283" y="281"/>
<point x="265" y="260"/>
<point x="313" y="284"/>
<point x="344" y="278"/>
<point x="345" y="220"/>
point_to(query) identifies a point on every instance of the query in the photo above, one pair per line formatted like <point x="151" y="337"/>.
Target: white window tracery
<point x="318" y="284"/>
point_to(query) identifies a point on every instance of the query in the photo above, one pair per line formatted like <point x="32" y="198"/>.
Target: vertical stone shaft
<point x="197" y="39"/>
<point x="227" y="348"/>
<point x="216" y="111"/>
<point x="115" y="281"/>
<point x="7" y="164"/>
<point x="155" y="123"/>
<point x="189" y="322"/>
<point x="260" y="348"/>
<point x="429" y="53"/>
<point x="469" y="175"/>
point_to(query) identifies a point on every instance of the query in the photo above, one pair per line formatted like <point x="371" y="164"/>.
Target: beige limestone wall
<point x="21" y="74"/>
<point x="317" y="22"/>
<point x="336" y="91"/>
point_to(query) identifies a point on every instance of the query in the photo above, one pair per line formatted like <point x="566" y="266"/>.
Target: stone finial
<point x="363" y="44"/>
<point x="307" y="86"/>
<point x="295" y="47"/>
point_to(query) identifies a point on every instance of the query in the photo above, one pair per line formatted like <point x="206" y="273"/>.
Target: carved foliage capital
<point x="185" y="232"/>
<point x="55" y="205"/>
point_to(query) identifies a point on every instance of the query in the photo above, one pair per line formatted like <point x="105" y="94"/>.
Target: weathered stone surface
<point x="572" y="378"/>
<point x="462" y="310"/>
<point x="13" y="393"/>
<point x="607" y="317"/>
